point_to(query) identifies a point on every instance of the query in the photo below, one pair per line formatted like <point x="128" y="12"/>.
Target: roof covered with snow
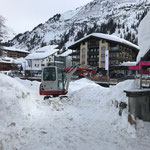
<point x="107" y="37"/>
<point x="128" y="63"/>
<point x="43" y="52"/>
<point x="14" y="49"/>
<point x="6" y="60"/>
<point x="66" y="53"/>
<point x="144" y="36"/>
<point x="12" y="60"/>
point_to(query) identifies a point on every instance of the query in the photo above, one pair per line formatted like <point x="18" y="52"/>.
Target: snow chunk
<point x="144" y="36"/>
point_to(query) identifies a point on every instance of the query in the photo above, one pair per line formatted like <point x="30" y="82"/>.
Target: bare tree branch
<point x="2" y="22"/>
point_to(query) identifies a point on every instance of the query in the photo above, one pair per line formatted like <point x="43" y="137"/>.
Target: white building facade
<point x="41" y="57"/>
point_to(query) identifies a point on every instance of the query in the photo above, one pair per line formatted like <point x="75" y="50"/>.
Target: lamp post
<point x="24" y="67"/>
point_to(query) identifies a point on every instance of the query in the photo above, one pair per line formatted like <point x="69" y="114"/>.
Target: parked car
<point x="130" y="76"/>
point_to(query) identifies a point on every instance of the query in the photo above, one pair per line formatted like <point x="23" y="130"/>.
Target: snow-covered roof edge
<point x="128" y="63"/>
<point x="107" y="37"/>
<point x="14" y="49"/>
<point x="44" y="48"/>
<point x="42" y="53"/>
<point x="66" y="53"/>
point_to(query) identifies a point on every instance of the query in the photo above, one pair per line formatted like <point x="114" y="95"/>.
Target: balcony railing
<point x="114" y="48"/>
<point x="91" y="53"/>
<point x="93" y="59"/>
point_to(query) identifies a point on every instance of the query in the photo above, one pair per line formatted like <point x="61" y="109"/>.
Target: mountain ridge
<point x="110" y="17"/>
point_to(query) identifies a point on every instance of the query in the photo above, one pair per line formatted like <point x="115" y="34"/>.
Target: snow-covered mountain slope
<point x="106" y="16"/>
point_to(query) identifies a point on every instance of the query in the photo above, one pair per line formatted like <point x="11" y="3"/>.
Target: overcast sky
<point x="23" y="15"/>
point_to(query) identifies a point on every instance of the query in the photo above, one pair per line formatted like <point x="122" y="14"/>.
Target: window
<point x="103" y="48"/>
<point x="78" y="57"/>
<point x="60" y="74"/>
<point x="91" y="50"/>
<point x="83" y="55"/>
<point x="114" y="48"/>
<point x="103" y="41"/>
<point x="95" y="62"/>
<point x="149" y="105"/>
<point x="102" y="62"/>
<point x="102" y="55"/>
<point x="60" y="79"/>
<point x="93" y="43"/>
<point x="114" y="62"/>
<point x="49" y="74"/>
<point x="91" y="63"/>
<point x="113" y="55"/>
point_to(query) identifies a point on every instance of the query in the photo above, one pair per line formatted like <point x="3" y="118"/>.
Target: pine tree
<point x="123" y="26"/>
<point x="119" y="31"/>
<point x="103" y="28"/>
<point x="127" y="29"/>
<point x="80" y="35"/>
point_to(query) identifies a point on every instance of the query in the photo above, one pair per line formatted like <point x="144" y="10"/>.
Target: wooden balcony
<point x="93" y="59"/>
<point x="93" y="46"/>
<point x="93" y="53"/>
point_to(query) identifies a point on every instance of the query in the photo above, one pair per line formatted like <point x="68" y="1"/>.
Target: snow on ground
<point x="144" y="36"/>
<point x="87" y="120"/>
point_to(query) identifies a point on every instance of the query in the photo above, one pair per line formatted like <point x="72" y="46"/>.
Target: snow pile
<point x="88" y="120"/>
<point x="11" y="113"/>
<point x="15" y="100"/>
<point x="144" y="36"/>
<point x="103" y="101"/>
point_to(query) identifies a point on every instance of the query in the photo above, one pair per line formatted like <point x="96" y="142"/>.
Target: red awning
<point x="141" y="63"/>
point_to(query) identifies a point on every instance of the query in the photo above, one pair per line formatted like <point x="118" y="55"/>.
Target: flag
<point x="106" y="60"/>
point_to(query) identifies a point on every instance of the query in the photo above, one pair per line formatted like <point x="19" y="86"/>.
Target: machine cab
<point x="52" y="81"/>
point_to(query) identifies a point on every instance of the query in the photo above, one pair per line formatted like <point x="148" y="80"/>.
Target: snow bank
<point x="104" y="101"/>
<point x="88" y="120"/>
<point x="144" y="36"/>
<point x="93" y="92"/>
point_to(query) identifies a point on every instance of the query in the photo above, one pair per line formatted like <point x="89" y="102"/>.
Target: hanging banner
<point x="106" y="60"/>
